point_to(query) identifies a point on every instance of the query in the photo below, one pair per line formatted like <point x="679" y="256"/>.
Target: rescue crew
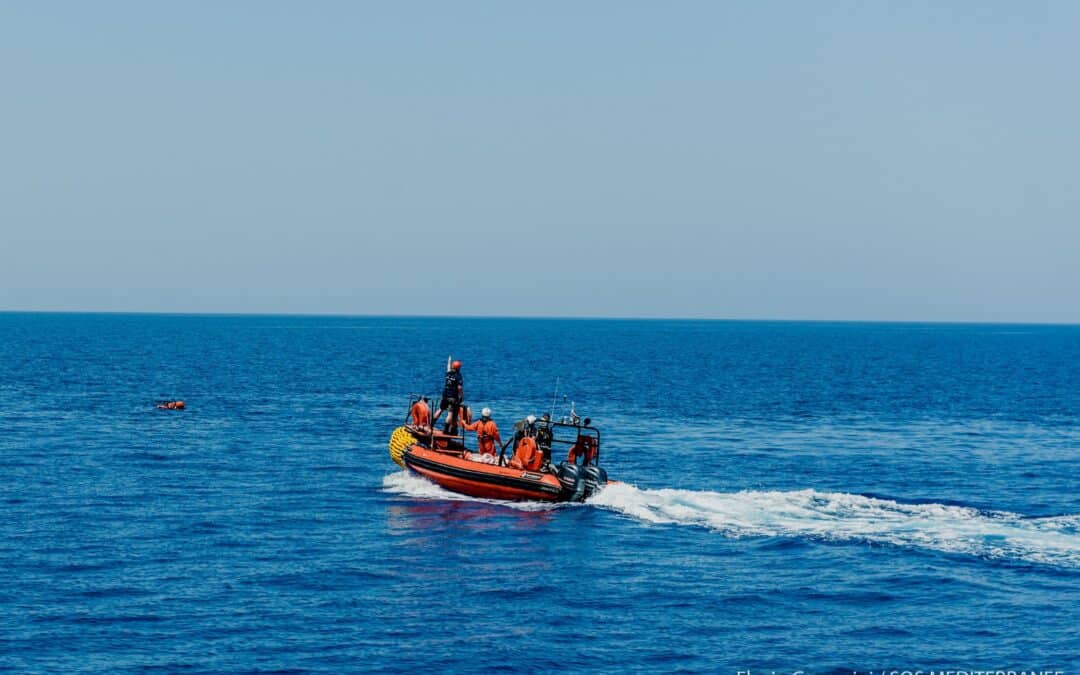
<point x="544" y="437"/>
<point x="584" y="446"/>
<point x="487" y="433"/>
<point x="452" y="395"/>
<point x="421" y="412"/>
<point x="527" y="455"/>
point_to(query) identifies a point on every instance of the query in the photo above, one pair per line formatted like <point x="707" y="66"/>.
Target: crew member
<point x="585" y="446"/>
<point x="487" y="433"/>
<point x="453" y="393"/>
<point x="527" y="456"/>
<point x="421" y="412"/>
<point x="544" y="436"/>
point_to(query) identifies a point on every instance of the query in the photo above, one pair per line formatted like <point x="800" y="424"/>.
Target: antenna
<point x="554" y="397"/>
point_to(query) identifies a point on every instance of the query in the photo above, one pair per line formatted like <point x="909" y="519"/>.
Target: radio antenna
<point x="554" y="397"/>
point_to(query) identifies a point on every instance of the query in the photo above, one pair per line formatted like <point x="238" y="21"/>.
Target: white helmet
<point x="531" y="419"/>
<point x="486" y="412"/>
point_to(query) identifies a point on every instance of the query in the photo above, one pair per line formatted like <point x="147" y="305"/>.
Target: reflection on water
<point x="427" y="515"/>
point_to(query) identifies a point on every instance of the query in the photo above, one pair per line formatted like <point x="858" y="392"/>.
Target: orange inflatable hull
<point x="476" y="479"/>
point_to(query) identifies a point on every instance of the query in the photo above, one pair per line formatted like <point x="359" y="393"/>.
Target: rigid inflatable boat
<point x="444" y="459"/>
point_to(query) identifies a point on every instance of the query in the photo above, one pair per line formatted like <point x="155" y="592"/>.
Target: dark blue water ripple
<point x="803" y="496"/>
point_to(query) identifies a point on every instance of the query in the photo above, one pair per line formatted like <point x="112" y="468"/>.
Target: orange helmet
<point x="456" y="365"/>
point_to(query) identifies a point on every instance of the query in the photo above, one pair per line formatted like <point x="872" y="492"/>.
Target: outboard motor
<point x="570" y="477"/>
<point x="594" y="478"/>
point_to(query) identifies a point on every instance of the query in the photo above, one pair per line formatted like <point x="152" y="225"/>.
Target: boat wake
<point x="823" y="516"/>
<point x="842" y="517"/>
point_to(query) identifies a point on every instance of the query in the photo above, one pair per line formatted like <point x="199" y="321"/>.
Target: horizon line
<point x="524" y="317"/>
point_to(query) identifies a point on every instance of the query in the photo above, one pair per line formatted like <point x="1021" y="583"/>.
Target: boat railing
<point x="579" y="430"/>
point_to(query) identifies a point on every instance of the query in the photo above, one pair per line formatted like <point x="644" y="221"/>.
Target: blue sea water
<point x="796" y="496"/>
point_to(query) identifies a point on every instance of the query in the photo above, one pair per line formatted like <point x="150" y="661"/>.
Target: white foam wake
<point x="411" y="485"/>
<point x="837" y="516"/>
<point x="829" y="516"/>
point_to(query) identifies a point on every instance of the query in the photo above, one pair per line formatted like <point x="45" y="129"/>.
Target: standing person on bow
<point x="453" y="393"/>
<point x="487" y="433"/>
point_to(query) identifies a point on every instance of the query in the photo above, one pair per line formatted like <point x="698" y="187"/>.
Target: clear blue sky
<point x="894" y="161"/>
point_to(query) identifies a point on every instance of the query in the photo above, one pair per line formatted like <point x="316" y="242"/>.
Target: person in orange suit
<point x="421" y="412"/>
<point x="584" y="447"/>
<point x="487" y="432"/>
<point x="527" y="456"/>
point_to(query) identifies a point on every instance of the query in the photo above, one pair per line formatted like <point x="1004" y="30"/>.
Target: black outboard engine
<point x="571" y="479"/>
<point x="594" y="478"/>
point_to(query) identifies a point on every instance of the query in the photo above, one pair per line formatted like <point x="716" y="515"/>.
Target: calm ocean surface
<point x="814" y="496"/>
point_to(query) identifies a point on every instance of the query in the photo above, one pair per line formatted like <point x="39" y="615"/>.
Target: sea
<point x="792" y="497"/>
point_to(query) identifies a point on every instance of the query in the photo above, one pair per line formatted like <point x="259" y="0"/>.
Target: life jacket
<point x="527" y="456"/>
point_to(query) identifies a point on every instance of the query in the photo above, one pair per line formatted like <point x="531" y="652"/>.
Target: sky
<point x="744" y="160"/>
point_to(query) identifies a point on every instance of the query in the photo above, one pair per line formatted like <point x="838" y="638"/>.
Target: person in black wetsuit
<point x="453" y="393"/>
<point x="544" y="437"/>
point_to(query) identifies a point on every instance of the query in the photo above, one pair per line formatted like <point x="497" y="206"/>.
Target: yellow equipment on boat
<point x="400" y="441"/>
